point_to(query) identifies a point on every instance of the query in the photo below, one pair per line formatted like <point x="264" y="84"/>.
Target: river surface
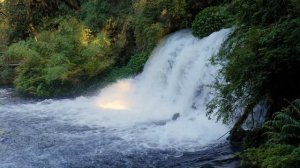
<point x="155" y="119"/>
<point x="28" y="140"/>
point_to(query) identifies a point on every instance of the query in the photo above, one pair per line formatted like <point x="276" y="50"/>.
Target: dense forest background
<point x="62" y="47"/>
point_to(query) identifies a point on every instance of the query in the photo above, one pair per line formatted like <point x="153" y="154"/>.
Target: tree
<point x="25" y="16"/>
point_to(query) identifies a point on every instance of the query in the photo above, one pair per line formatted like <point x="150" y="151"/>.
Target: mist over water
<point x="136" y="113"/>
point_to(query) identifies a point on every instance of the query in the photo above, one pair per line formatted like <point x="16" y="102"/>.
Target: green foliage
<point x="260" y="59"/>
<point x="279" y="156"/>
<point x="285" y="125"/>
<point x="114" y="19"/>
<point x="134" y="66"/>
<point x="60" y="59"/>
<point x="6" y="75"/>
<point x="282" y="147"/>
<point x="3" y="35"/>
<point x="137" y="62"/>
<point x="258" y="63"/>
<point x="264" y="12"/>
<point x="24" y="17"/>
<point x="21" y="50"/>
<point x="209" y="20"/>
<point x="153" y="19"/>
<point x="96" y="13"/>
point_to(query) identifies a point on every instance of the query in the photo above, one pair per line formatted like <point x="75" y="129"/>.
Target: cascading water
<point x="162" y="109"/>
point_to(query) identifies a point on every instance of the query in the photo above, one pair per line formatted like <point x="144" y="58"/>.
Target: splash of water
<point x="139" y="110"/>
<point x="175" y="80"/>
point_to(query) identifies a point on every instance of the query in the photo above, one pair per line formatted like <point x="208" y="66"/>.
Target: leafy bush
<point x="264" y="12"/>
<point x="153" y="19"/>
<point x="209" y="20"/>
<point x="95" y="13"/>
<point x="259" y="63"/>
<point x="285" y="125"/>
<point x="277" y="156"/>
<point x="60" y="59"/>
<point x="282" y="147"/>
<point x="25" y="17"/>
<point x="6" y="75"/>
<point x="134" y="66"/>
<point x="137" y="62"/>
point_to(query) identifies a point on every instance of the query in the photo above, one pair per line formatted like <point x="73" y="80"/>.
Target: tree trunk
<point x="237" y="133"/>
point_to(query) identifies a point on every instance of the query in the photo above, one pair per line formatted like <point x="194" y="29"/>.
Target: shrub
<point x="264" y="12"/>
<point x="134" y="66"/>
<point x="258" y="63"/>
<point x="209" y="20"/>
<point x="6" y="75"/>
<point x="60" y="59"/>
<point x="285" y="125"/>
<point x="137" y="62"/>
<point x="95" y="13"/>
<point x="282" y="146"/>
<point x="278" y="156"/>
<point x="153" y="19"/>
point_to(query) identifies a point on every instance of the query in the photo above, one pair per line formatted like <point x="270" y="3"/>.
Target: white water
<point x="139" y="110"/>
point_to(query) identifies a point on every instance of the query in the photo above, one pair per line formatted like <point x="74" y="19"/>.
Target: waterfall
<point x="163" y="107"/>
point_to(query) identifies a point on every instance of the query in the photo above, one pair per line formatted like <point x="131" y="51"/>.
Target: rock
<point x="175" y="116"/>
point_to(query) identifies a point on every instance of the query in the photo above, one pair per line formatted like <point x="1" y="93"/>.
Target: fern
<point x="285" y="127"/>
<point x="282" y="148"/>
